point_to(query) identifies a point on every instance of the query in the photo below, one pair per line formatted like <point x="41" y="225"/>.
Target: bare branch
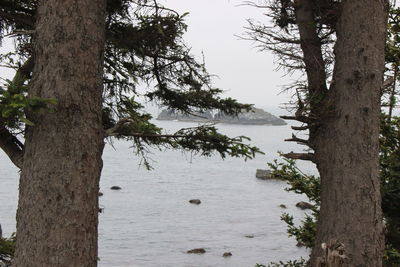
<point x="114" y="131"/>
<point x="11" y="146"/>
<point x="311" y="46"/>
<point x="300" y="128"/>
<point x="304" y="119"/>
<point x="301" y="156"/>
<point x="298" y="140"/>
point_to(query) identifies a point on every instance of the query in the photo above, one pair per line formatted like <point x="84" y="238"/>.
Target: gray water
<point x="150" y="222"/>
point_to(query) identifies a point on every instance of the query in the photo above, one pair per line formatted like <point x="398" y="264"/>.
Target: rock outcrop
<point x="304" y="205"/>
<point x="263" y="174"/>
<point x="115" y="187"/>
<point x="227" y="254"/>
<point x="168" y="114"/>
<point x="196" y="251"/>
<point x="254" y="117"/>
<point x="195" y="201"/>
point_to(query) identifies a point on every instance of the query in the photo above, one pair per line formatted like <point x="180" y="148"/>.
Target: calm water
<point x="150" y="222"/>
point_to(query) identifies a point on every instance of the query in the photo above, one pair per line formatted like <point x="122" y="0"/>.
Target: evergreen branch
<point x="117" y="131"/>
<point x="115" y="67"/>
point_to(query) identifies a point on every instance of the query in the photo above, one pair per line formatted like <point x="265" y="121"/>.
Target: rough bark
<point x="346" y="142"/>
<point x="58" y="204"/>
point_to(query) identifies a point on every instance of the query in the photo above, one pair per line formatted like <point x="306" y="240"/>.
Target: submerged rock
<point x="196" y="251"/>
<point x="115" y="187"/>
<point x="263" y="174"/>
<point x="304" y="205"/>
<point x="100" y="194"/>
<point x="195" y="201"/>
<point x="249" y="236"/>
<point x="227" y="254"/>
<point x="283" y="206"/>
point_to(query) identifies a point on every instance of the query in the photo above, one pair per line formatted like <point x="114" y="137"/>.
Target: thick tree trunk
<point x="58" y="203"/>
<point x="346" y="144"/>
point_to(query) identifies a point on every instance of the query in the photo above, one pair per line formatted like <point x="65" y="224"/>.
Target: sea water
<point x="149" y="222"/>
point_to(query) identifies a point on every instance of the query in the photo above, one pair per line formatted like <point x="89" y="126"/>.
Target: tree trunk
<point x="346" y="143"/>
<point x="57" y="214"/>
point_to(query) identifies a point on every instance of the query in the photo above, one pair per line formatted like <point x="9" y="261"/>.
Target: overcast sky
<point x="244" y="72"/>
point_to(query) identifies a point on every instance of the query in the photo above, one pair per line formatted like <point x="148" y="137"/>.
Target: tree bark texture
<point x="346" y="142"/>
<point x="57" y="214"/>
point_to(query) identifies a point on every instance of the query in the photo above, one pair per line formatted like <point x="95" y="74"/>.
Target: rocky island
<point x="256" y="116"/>
<point x="168" y="115"/>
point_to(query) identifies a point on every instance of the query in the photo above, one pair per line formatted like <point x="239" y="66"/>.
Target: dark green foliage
<point x="390" y="179"/>
<point x="205" y="140"/>
<point x="304" y="233"/>
<point x="391" y="258"/>
<point x="7" y="247"/>
<point x="299" y="182"/>
<point x="144" y="48"/>
<point x="14" y="103"/>
<point x="392" y="48"/>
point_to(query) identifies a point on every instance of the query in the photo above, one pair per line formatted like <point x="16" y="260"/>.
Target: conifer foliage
<point x="144" y="48"/>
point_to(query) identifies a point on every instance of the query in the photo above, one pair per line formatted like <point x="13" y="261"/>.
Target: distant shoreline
<point x="254" y="117"/>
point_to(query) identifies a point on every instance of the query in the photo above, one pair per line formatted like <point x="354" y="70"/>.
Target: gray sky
<point x="247" y="74"/>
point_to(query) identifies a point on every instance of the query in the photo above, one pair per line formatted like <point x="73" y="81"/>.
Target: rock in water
<point x="196" y="117"/>
<point x="115" y="187"/>
<point x="195" y="201"/>
<point x="256" y="116"/>
<point x="168" y="114"/>
<point x="263" y="174"/>
<point x="283" y="206"/>
<point x="304" y="205"/>
<point x="227" y="254"/>
<point x="196" y="251"/>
